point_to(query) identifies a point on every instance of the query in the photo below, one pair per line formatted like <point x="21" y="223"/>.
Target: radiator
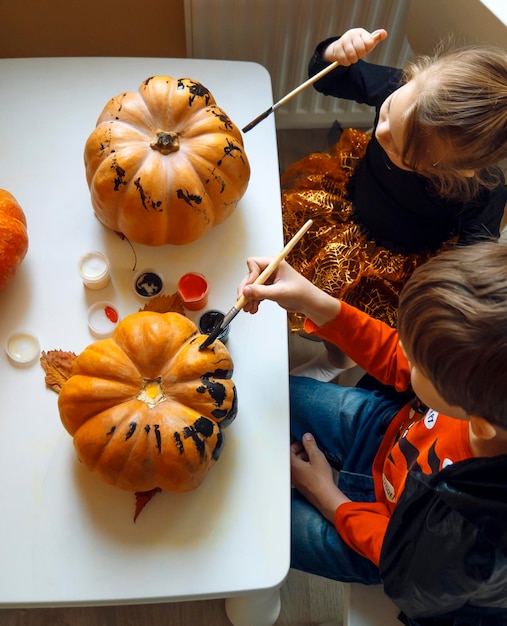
<point x="281" y="35"/>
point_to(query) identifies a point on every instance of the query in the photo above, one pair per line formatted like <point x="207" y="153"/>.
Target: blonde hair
<point x="461" y="101"/>
<point x="452" y="321"/>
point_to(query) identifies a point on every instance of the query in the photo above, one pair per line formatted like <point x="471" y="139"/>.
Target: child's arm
<point x="370" y="343"/>
<point x="355" y="44"/>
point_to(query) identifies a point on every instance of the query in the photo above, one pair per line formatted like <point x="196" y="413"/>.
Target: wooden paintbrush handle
<point x="268" y="270"/>
<point x="261" y="279"/>
<point x="311" y="80"/>
<point x="306" y="84"/>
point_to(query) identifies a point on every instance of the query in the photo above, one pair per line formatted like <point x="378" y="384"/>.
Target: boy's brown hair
<point x="452" y="321"/>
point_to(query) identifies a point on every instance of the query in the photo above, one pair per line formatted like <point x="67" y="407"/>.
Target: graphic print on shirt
<point x="417" y="449"/>
<point x="430" y="419"/>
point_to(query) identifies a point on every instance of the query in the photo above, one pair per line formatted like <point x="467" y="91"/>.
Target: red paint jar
<point x="193" y="289"/>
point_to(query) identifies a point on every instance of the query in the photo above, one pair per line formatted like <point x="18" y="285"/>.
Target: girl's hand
<point x="289" y="289"/>
<point x="312" y="476"/>
<point x="355" y="44"/>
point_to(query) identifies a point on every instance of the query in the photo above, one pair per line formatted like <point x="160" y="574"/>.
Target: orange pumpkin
<point x="146" y="407"/>
<point x="165" y="164"/>
<point x="13" y="237"/>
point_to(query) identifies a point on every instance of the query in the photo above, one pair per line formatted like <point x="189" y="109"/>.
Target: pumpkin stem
<point x="152" y="392"/>
<point x="166" y="142"/>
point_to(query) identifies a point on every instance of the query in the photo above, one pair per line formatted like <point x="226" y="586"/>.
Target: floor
<point x="306" y="600"/>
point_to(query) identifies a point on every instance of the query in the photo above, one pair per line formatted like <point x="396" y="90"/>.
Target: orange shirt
<point x="423" y="442"/>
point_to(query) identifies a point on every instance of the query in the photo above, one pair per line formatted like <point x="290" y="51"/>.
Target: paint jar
<point x="22" y="347"/>
<point x="193" y="290"/>
<point x="148" y="283"/>
<point x="210" y="320"/>
<point x="94" y="270"/>
<point x="102" y="319"/>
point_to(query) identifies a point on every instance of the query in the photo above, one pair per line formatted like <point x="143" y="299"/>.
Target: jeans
<point x="348" y="424"/>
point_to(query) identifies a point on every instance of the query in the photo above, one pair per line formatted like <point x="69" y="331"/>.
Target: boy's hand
<point x="355" y="44"/>
<point x="286" y="287"/>
<point x="289" y="289"/>
<point x="312" y="476"/>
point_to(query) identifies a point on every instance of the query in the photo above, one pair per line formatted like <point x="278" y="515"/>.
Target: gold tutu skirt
<point x="335" y="255"/>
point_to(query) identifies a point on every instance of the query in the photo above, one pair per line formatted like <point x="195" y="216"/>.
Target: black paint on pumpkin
<point x="189" y="198"/>
<point x="189" y="432"/>
<point x="219" y="373"/>
<point x="224" y="118"/>
<point x="219" y="414"/>
<point x="158" y="437"/>
<point x="197" y="90"/>
<point x="217" y="451"/>
<point x="120" y="176"/>
<point x="146" y="201"/>
<point x="204" y="426"/>
<point x="231" y="415"/>
<point x="131" y="430"/>
<point x="215" y="389"/>
<point x="178" y="442"/>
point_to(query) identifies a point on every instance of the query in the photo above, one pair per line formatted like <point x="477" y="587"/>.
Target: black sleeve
<point x="481" y="218"/>
<point x="445" y="545"/>
<point x="362" y="82"/>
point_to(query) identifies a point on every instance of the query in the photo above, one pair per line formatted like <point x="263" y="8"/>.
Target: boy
<point x="450" y="355"/>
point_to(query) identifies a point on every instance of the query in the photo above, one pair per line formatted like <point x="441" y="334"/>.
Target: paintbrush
<point x="260" y="280"/>
<point x="290" y="95"/>
<point x="294" y="92"/>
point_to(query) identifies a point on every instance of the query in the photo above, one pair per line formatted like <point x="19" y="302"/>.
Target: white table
<point x="66" y="537"/>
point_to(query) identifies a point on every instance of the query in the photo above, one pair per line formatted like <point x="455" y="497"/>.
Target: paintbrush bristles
<point x="258" y="119"/>
<point x="211" y="337"/>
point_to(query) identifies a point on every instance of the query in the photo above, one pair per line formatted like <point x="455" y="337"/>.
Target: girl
<point x="428" y="176"/>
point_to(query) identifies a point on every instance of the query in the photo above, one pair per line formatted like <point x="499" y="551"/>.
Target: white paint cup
<point x="94" y="270"/>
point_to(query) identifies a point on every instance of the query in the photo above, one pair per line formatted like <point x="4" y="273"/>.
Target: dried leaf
<point x="58" y="367"/>
<point x="166" y="304"/>
<point x="142" y="499"/>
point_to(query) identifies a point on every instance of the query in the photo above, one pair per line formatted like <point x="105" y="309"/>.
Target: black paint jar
<point x="210" y="320"/>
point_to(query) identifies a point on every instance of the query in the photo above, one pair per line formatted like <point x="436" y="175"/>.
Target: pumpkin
<point x="13" y="237"/>
<point x="165" y="164"/>
<point x="146" y="408"/>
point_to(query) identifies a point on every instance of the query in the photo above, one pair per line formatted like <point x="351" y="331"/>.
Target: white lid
<point x="22" y="347"/>
<point x="103" y="318"/>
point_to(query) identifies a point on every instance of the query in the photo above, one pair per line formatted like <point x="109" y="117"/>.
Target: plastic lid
<point x="148" y="283"/>
<point x="22" y="347"/>
<point x="103" y="318"/>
